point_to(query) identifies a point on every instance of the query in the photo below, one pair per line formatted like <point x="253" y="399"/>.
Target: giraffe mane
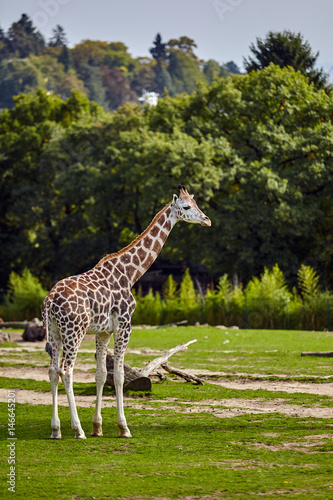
<point x="135" y="241"/>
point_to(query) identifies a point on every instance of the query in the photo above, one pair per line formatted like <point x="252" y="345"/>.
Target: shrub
<point x="313" y="310"/>
<point x="266" y="299"/>
<point x="148" y="309"/>
<point x="24" y="299"/>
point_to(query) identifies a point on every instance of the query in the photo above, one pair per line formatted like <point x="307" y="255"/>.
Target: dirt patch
<point x="42" y="374"/>
<point x="306" y="445"/>
<point x="325" y="389"/>
<point x="223" y="408"/>
<point x="83" y="374"/>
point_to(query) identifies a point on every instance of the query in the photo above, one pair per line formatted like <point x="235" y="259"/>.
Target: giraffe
<point x="100" y="301"/>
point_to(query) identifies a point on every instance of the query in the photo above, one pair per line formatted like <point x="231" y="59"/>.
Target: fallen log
<point x="323" y="354"/>
<point x="138" y="380"/>
<point x="134" y="379"/>
<point x="186" y="376"/>
<point x="155" y="363"/>
<point x="16" y="325"/>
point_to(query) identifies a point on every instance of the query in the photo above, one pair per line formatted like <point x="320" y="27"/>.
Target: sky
<point x="222" y="29"/>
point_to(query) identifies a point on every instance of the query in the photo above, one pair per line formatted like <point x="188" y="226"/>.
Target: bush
<point x="266" y="302"/>
<point x="225" y="305"/>
<point x="266" y="299"/>
<point x="24" y="299"/>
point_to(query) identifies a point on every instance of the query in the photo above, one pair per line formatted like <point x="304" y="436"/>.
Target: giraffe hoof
<point x="97" y="430"/>
<point x="125" y="434"/>
<point x="96" y="434"/>
<point x="56" y="435"/>
<point x="80" y="436"/>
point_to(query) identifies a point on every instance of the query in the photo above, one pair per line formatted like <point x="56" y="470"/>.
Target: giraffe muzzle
<point x="206" y="222"/>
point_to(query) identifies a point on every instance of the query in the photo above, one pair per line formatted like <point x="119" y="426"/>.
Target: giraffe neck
<point x="135" y="259"/>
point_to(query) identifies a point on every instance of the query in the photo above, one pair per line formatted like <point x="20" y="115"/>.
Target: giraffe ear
<point x="175" y="198"/>
<point x="192" y="196"/>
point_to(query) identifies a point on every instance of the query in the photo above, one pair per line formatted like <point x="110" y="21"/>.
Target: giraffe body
<point x="100" y="301"/>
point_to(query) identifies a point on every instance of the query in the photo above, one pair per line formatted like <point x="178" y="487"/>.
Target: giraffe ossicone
<point x="100" y="301"/>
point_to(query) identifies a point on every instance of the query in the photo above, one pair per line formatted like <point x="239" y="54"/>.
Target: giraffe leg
<point x="54" y="379"/>
<point x="121" y="340"/>
<point x="55" y="422"/>
<point x="67" y="379"/>
<point x="102" y="341"/>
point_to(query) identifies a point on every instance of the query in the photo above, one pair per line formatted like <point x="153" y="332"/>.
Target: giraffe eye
<point x="186" y="208"/>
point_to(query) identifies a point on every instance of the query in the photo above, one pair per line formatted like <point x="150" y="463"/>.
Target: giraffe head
<point x="185" y="208"/>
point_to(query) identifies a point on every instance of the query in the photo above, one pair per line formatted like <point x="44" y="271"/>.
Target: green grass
<point x="172" y="455"/>
<point x="248" y="351"/>
<point x="181" y="447"/>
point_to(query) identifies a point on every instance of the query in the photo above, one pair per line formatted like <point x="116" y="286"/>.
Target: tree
<point x="35" y="220"/>
<point x="143" y="76"/>
<point x="162" y="77"/>
<point x="89" y="52"/>
<point x="4" y="45"/>
<point x="269" y="137"/>
<point x="232" y="68"/>
<point x="93" y="82"/>
<point x="117" y="88"/>
<point x="24" y="39"/>
<point x="212" y="70"/>
<point x="286" y="49"/>
<point x="187" y="293"/>
<point x="17" y="76"/>
<point x="185" y="44"/>
<point x="163" y="82"/>
<point x="58" y="38"/>
<point x="184" y="71"/>
<point x="255" y="149"/>
<point x="158" y="52"/>
<point x="64" y="58"/>
<point x="169" y="289"/>
<point x="117" y="57"/>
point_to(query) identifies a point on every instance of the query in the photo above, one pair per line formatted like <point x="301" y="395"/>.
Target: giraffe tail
<point x="48" y="346"/>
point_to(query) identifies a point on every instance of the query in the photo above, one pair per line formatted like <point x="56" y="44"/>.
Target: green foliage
<point x="17" y="76"/>
<point x="314" y="302"/>
<point x="266" y="302"/>
<point x="185" y="72"/>
<point x="225" y="304"/>
<point x="255" y="149"/>
<point x="286" y="49"/>
<point x="148" y="309"/>
<point x="34" y="215"/>
<point x="266" y="298"/>
<point x="25" y="297"/>
<point x="158" y="51"/>
<point x="187" y="293"/>
<point x="308" y="282"/>
<point x="105" y="71"/>
<point x="169" y="289"/>
<point x="23" y="39"/>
